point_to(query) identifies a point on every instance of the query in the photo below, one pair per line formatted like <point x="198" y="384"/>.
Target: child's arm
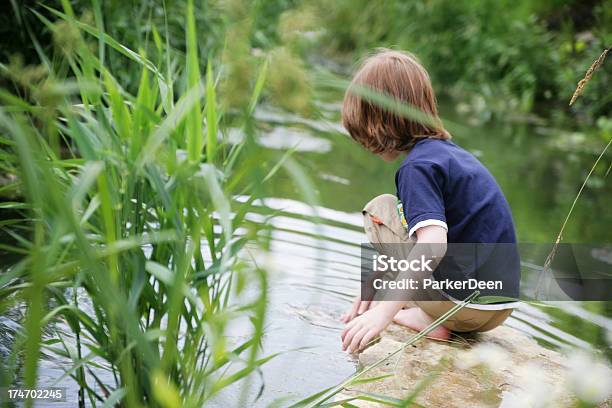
<point x="363" y="329"/>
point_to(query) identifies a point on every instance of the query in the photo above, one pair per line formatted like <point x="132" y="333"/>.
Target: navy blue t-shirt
<point x="440" y="181"/>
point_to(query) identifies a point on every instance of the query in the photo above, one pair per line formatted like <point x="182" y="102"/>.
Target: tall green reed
<point x="577" y="92"/>
<point x="133" y="237"/>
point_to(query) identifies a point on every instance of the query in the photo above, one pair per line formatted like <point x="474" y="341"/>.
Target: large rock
<point x="519" y="371"/>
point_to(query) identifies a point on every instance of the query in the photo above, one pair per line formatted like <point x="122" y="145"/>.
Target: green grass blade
<point x="194" y="116"/>
<point x="211" y="114"/>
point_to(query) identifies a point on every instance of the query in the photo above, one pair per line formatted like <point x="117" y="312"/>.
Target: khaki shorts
<point x="383" y="226"/>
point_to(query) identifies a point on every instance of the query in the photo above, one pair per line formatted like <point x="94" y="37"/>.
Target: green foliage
<point x="495" y="58"/>
<point x="131" y="235"/>
<point x="492" y="57"/>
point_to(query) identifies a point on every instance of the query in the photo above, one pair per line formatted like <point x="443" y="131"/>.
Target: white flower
<point x="589" y="377"/>
<point x="520" y="399"/>
<point x="488" y="354"/>
<point x="533" y="389"/>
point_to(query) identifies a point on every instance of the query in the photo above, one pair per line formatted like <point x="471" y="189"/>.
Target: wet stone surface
<point x="519" y="371"/>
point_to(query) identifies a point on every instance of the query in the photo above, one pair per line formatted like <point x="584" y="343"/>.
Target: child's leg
<point x="383" y="225"/>
<point x="415" y="318"/>
<point x="466" y="319"/>
<point x="386" y="233"/>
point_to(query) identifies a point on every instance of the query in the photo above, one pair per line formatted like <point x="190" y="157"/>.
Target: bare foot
<point x="416" y="319"/>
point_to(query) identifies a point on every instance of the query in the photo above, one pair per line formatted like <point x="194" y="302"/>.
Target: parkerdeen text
<point x="445" y="284"/>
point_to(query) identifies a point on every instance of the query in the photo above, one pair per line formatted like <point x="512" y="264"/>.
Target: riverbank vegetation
<point x="130" y="232"/>
<point x="503" y="59"/>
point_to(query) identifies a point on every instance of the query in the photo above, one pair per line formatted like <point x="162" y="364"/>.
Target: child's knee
<point x="381" y="210"/>
<point x="382" y="222"/>
<point x="380" y="204"/>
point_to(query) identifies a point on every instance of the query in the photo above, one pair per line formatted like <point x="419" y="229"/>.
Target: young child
<point x="445" y="193"/>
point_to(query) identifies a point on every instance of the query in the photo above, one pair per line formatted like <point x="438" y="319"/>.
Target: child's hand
<point x="359" y="307"/>
<point x="363" y="329"/>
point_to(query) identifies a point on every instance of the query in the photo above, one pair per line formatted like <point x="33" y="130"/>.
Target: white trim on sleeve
<point x="426" y="223"/>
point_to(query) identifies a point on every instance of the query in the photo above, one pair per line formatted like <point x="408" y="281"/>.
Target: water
<point x="315" y="267"/>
